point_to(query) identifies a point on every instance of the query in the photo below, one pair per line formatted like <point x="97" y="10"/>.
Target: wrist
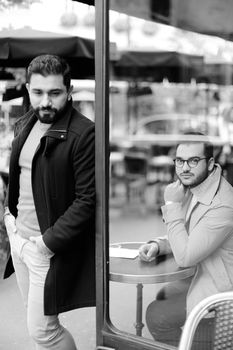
<point x="168" y="202"/>
<point x="171" y="202"/>
<point x="49" y="251"/>
<point x="6" y="212"/>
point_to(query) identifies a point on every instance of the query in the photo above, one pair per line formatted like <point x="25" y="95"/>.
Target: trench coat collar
<point x="206" y="191"/>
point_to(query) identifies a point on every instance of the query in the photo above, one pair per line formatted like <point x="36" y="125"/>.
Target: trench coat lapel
<point x="204" y="194"/>
<point x="196" y="214"/>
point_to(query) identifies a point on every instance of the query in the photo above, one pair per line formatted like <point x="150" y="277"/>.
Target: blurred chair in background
<point x="135" y="177"/>
<point x="161" y="173"/>
<point x="116" y="171"/>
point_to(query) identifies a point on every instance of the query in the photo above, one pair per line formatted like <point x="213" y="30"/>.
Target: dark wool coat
<point x="63" y="184"/>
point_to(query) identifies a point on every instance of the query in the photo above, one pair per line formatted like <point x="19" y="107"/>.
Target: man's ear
<point x="27" y="86"/>
<point x="211" y="163"/>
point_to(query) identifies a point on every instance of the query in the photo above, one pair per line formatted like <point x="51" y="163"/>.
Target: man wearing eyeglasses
<point x="198" y="214"/>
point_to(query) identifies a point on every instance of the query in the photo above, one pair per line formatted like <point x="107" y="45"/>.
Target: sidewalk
<point x="13" y="329"/>
<point x="124" y="226"/>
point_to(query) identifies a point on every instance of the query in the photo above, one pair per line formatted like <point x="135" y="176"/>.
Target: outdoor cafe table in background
<point x="126" y="267"/>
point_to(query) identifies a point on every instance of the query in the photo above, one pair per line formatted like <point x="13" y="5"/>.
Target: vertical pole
<point x="139" y="325"/>
<point x="102" y="163"/>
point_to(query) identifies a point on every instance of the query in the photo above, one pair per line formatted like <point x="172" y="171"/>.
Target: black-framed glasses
<point x="192" y="162"/>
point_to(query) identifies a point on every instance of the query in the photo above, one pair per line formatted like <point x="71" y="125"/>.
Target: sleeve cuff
<point x="163" y="244"/>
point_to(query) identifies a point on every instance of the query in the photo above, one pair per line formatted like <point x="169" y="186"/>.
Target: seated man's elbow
<point x="183" y="262"/>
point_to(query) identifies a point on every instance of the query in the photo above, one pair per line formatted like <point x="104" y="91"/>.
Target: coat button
<point x="62" y="136"/>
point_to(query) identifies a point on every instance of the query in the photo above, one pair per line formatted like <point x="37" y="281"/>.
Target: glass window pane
<point x="162" y="85"/>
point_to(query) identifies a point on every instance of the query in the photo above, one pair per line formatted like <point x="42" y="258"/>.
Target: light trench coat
<point x="204" y="238"/>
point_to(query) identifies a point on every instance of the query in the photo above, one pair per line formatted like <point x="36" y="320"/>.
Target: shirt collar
<point x="205" y="191"/>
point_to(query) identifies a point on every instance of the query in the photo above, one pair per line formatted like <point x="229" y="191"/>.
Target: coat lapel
<point x="204" y="194"/>
<point x="19" y="139"/>
<point x="58" y="131"/>
<point x="196" y="214"/>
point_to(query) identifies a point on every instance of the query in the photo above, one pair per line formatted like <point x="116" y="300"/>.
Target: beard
<point x="46" y="115"/>
<point x="192" y="180"/>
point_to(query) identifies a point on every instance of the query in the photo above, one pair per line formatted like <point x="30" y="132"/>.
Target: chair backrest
<point x="221" y="308"/>
<point x="136" y="163"/>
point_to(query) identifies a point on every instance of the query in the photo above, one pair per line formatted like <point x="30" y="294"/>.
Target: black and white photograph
<point x="116" y="175"/>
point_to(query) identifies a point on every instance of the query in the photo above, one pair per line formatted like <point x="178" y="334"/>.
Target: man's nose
<point x="186" y="166"/>
<point x="46" y="101"/>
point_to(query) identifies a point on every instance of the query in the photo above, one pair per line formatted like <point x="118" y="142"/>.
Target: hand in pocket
<point x="9" y="221"/>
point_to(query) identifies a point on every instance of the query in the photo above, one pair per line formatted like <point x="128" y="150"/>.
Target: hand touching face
<point x="174" y="192"/>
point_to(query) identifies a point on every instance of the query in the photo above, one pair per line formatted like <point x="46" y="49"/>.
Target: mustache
<point x="185" y="173"/>
<point x="48" y="109"/>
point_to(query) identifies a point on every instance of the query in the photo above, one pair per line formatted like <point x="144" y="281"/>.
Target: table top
<point x="162" y="269"/>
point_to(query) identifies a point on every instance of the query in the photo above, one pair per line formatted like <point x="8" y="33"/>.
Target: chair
<point x="160" y="174"/>
<point x="221" y="307"/>
<point x="116" y="172"/>
<point x="135" y="176"/>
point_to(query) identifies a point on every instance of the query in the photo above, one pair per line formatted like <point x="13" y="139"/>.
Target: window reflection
<point x="151" y="107"/>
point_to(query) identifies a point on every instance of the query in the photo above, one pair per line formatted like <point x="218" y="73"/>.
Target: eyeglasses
<point x="192" y="162"/>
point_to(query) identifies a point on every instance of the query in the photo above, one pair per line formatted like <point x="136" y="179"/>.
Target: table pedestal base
<point x="139" y="325"/>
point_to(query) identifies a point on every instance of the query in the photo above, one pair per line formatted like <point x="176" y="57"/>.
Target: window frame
<point x="107" y="336"/>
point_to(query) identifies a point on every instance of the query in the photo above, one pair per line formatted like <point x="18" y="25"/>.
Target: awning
<point x="18" y="47"/>
<point x="144" y="58"/>
<point x="157" y="65"/>
<point x="211" y="17"/>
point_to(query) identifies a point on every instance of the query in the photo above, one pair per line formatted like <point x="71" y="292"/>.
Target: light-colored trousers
<point x="31" y="268"/>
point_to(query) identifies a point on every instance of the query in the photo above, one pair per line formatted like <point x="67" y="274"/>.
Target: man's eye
<point x="35" y="92"/>
<point x="54" y="94"/>
<point x="194" y="160"/>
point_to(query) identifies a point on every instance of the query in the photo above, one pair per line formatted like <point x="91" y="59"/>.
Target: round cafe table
<point x="135" y="271"/>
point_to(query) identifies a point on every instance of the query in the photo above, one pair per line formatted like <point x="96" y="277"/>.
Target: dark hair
<point x="50" y="65"/>
<point x="208" y="146"/>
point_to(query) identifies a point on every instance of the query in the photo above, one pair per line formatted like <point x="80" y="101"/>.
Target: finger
<point x="143" y="255"/>
<point x="12" y="227"/>
<point x="151" y="259"/>
<point x="182" y="187"/>
<point x="147" y="256"/>
<point x="144" y="258"/>
<point x="150" y="252"/>
<point x="179" y="183"/>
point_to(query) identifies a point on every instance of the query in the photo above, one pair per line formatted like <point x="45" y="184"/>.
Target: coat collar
<point x="57" y="132"/>
<point x="27" y="121"/>
<point x="59" y="128"/>
<point x="206" y="191"/>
